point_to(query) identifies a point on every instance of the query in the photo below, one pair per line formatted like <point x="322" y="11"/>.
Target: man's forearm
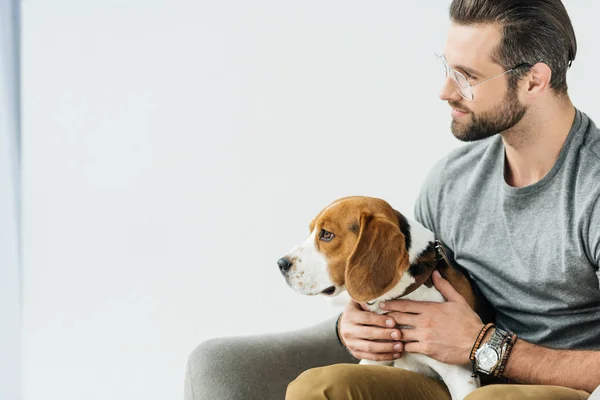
<point x="576" y="369"/>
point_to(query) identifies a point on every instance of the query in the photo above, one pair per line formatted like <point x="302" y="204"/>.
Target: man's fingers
<point x="371" y="347"/>
<point x="403" y="318"/>
<point x="446" y="289"/>
<point x="368" y="318"/>
<point x="364" y="337"/>
<point x="410" y="335"/>
<point x="372" y="333"/>
<point x="410" y="306"/>
<point x="415" y="347"/>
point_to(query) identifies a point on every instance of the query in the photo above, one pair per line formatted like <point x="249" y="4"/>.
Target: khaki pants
<point x="372" y="382"/>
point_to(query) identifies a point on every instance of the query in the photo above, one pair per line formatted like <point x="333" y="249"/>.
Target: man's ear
<point x="377" y="259"/>
<point x="538" y="79"/>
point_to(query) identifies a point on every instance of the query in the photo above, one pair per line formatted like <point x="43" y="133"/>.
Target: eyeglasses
<point x="462" y="84"/>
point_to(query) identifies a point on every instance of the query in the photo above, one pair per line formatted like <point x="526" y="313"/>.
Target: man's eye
<point x="325" y="236"/>
<point x="469" y="76"/>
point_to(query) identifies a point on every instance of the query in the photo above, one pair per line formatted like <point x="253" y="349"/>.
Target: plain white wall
<point x="173" y="151"/>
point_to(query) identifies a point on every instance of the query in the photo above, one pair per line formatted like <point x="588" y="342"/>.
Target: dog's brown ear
<point x="377" y="259"/>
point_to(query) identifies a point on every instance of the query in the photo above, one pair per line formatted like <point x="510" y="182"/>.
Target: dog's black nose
<point x="284" y="264"/>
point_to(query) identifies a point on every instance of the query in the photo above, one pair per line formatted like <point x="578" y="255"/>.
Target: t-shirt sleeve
<point x="594" y="238"/>
<point x="426" y="204"/>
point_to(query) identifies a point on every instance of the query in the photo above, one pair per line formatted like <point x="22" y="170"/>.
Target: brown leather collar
<point x="421" y="279"/>
<point x="441" y="256"/>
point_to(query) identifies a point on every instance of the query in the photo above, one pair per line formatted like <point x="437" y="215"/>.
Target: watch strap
<point x="506" y="349"/>
<point x="498" y="337"/>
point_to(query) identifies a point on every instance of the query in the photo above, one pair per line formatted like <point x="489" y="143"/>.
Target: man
<point x="518" y="208"/>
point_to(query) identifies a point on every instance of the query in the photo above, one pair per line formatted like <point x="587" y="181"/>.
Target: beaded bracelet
<point x="479" y="339"/>
<point x="511" y="342"/>
<point x="477" y="344"/>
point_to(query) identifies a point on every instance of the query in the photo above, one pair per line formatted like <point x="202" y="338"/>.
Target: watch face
<point x="487" y="358"/>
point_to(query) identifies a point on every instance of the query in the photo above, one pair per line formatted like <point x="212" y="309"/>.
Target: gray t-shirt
<point x="533" y="251"/>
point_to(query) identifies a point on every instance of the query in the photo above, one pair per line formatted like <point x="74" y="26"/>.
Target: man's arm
<point x="577" y="369"/>
<point x="447" y="331"/>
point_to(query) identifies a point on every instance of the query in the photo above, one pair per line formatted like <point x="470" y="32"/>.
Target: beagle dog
<point x="363" y="246"/>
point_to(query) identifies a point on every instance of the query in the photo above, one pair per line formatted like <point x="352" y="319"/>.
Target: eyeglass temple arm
<point x="505" y="72"/>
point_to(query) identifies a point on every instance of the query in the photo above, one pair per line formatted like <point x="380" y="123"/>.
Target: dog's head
<point x="355" y="244"/>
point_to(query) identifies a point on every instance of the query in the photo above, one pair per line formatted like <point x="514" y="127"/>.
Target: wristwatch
<point x="489" y="356"/>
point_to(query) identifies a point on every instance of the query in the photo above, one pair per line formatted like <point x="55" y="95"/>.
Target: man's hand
<point x="443" y="331"/>
<point x="369" y="336"/>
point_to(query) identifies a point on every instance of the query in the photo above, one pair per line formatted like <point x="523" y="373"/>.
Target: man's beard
<point x="490" y="123"/>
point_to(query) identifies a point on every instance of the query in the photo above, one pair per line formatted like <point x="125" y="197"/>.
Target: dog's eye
<point x="326" y="236"/>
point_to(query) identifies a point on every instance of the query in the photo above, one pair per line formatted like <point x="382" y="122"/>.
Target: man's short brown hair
<point x="532" y="31"/>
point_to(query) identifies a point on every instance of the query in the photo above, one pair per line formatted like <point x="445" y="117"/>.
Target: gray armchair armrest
<point x="260" y="367"/>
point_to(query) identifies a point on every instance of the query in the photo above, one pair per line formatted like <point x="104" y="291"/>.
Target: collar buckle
<point x="441" y="252"/>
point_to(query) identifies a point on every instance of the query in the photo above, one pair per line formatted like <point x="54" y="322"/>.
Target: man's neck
<point x="532" y="147"/>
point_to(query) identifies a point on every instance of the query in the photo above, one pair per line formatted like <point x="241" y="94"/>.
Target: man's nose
<point x="449" y="92"/>
<point x="284" y="264"/>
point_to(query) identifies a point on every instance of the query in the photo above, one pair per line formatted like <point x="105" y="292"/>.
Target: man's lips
<point x="458" y="113"/>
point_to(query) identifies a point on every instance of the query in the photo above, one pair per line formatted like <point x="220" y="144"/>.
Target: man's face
<point x="495" y="107"/>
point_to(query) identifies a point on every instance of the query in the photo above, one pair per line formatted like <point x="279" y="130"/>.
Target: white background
<point x="174" y="150"/>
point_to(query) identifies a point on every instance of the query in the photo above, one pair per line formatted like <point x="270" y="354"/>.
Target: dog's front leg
<point x="414" y="363"/>
<point x="459" y="381"/>
<point x="457" y="378"/>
